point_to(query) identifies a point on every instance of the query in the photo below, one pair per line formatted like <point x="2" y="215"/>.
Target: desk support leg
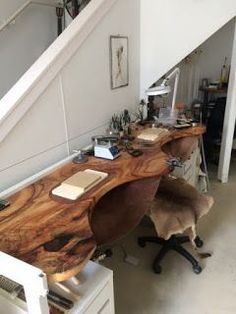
<point x="204" y="162"/>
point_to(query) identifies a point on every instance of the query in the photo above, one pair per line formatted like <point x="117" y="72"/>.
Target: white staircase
<point x="65" y="97"/>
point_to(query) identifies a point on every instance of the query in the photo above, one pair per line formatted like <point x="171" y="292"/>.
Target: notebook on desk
<point x="79" y="183"/>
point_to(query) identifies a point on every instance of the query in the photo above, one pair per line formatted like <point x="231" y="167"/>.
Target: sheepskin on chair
<point x="177" y="208"/>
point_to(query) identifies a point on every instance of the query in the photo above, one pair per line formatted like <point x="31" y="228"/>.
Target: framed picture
<point x="119" y="61"/>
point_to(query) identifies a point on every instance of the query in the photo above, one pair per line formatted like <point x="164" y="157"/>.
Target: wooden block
<point x="75" y="186"/>
<point x="82" y="180"/>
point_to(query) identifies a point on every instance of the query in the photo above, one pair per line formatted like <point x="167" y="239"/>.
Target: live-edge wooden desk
<point x="59" y="236"/>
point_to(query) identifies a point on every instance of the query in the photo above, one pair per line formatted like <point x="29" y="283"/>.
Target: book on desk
<point x="79" y="183"/>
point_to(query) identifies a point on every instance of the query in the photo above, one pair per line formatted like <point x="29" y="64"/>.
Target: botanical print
<point x="119" y="61"/>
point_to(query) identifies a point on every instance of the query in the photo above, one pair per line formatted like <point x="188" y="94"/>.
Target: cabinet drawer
<point x="103" y="303"/>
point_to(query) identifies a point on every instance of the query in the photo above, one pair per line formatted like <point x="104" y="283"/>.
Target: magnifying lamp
<point x="164" y="89"/>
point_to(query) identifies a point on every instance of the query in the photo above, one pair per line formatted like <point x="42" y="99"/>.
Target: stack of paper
<point x="75" y="186"/>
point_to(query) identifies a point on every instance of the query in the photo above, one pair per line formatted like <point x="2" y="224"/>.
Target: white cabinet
<point x="95" y="289"/>
<point x="103" y="303"/>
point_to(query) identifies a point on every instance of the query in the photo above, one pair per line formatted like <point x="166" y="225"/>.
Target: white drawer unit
<point x="103" y="303"/>
<point x="191" y="168"/>
<point x="95" y="290"/>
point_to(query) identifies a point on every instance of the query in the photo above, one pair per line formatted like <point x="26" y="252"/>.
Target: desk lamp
<point x="164" y="89"/>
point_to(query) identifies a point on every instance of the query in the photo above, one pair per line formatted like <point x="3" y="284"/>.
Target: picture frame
<point x="119" y="61"/>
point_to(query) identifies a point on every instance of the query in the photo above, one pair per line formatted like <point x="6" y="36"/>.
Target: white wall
<point x="229" y="121"/>
<point x="214" y="50"/>
<point x="171" y="29"/>
<point x="24" y="41"/>
<point x="77" y="104"/>
<point x="8" y="8"/>
<point x="206" y="64"/>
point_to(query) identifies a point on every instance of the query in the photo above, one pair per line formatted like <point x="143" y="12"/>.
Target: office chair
<point x="176" y="209"/>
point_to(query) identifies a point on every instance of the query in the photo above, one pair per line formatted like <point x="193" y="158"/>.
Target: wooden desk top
<point x="55" y="235"/>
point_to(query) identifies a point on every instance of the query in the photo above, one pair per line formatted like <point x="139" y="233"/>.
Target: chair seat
<point x="177" y="207"/>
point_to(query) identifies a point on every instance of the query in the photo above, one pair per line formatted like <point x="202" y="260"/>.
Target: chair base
<point x="174" y="243"/>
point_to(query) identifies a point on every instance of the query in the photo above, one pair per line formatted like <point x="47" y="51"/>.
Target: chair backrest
<point x="181" y="148"/>
<point x="177" y="207"/>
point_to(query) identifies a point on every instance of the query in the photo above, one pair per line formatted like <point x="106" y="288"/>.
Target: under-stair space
<point x="65" y="78"/>
<point x="202" y="90"/>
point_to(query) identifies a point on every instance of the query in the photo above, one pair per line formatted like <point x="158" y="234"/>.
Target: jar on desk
<point x="205" y="82"/>
<point x="197" y="112"/>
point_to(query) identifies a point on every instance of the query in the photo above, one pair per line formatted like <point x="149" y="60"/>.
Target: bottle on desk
<point x="224" y="77"/>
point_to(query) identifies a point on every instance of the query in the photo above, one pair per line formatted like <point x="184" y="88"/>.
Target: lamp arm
<point x="165" y="83"/>
<point x="176" y="72"/>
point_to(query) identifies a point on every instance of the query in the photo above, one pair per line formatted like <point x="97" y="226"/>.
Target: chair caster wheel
<point x="199" y="243"/>
<point x="109" y="253"/>
<point x="157" y="269"/>
<point x="197" y="269"/>
<point x="141" y="243"/>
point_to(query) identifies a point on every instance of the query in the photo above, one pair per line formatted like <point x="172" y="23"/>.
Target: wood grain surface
<point x="60" y="236"/>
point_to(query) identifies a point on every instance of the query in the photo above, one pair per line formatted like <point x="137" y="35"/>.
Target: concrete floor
<point x="178" y="290"/>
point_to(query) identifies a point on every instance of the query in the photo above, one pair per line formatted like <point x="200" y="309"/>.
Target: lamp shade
<point x="158" y="90"/>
